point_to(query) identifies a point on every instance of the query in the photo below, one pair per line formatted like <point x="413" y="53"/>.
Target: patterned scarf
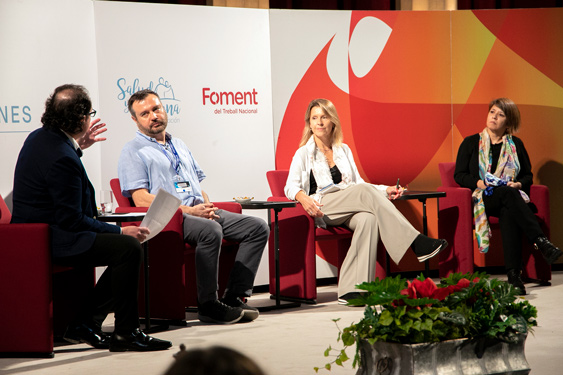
<point x="508" y="168"/>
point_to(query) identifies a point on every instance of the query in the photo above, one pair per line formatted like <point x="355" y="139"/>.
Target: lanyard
<point x="176" y="162"/>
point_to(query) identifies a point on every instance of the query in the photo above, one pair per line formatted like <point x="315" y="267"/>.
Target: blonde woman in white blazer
<point x="324" y="178"/>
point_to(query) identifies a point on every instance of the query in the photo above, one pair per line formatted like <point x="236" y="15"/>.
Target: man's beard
<point x="157" y="130"/>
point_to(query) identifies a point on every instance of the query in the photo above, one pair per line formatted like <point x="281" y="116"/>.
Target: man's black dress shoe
<point x="91" y="336"/>
<point x="136" y="341"/>
<point x="549" y="251"/>
<point x="515" y="278"/>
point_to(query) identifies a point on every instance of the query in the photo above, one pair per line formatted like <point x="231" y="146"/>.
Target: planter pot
<point x="459" y="357"/>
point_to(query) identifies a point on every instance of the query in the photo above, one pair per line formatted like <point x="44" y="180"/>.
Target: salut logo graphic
<point x="162" y="87"/>
<point x="231" y="102"/>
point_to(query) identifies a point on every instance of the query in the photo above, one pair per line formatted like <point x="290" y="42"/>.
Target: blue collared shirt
<point x="144" y="165"/>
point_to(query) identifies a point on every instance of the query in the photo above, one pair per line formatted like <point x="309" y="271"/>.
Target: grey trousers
<point x="369" y="213"/>
<point x="206" y="236"/>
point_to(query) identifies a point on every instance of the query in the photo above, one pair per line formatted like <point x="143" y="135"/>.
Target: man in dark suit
<point x="51" y="186"/>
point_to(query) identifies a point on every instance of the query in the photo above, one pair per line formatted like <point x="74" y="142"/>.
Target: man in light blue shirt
<point x="154" y="160"/>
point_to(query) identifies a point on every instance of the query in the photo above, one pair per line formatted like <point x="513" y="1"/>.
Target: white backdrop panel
<point x="187" y="53"/>
<point x="183" y="51"/>
<point x="44" y="44"/>
<point x="297" y="37"/>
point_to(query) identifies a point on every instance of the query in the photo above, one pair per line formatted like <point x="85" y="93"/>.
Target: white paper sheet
<point x="160" y="212"/>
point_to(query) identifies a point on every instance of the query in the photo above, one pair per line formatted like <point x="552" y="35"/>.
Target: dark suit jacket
<point x="51" y="186"/>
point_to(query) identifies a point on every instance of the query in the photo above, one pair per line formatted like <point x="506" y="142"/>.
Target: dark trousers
<point x="206" y="235"/>
<point x="515" y="219"/>
<point x="117" y="289"/>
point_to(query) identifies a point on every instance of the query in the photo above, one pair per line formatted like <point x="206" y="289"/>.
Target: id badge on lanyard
<point x="182" y="186"/>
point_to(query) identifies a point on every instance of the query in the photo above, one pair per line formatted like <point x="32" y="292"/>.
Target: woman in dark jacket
<point x="494" y="164"/>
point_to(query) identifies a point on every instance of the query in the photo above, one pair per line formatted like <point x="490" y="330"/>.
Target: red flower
<point x="461" y="284"/>
<point x="424" y="288"/>
<point x="441" y="293"/>
<point x="429" y="289"/>
<point x="408" y="291"/>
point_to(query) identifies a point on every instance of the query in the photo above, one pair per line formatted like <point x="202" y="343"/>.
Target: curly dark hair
<point x="65" y="109"/>
<point x="137" y="97"/>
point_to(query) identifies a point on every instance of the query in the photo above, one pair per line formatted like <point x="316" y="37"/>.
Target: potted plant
<point x="460" y="326"/>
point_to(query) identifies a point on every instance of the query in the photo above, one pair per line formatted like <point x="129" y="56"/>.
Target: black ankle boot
<point x="549" y="251"/>
<point x="515" y="279"/>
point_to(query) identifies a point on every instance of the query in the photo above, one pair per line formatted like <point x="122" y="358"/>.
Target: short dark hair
<point x="138" y="96"/>
<point x="65" y="109"/>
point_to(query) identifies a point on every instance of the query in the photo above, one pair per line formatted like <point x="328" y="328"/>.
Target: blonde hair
<point x="329" y="110"/>
<point x="511" y="112"/>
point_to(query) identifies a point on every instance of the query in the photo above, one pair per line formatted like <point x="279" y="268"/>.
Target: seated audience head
<point x="215" y="360"/>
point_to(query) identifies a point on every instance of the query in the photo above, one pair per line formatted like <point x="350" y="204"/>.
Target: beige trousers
<point x="371" y="215"/>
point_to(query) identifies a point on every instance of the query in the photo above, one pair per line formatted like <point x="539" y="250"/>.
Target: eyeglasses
<point x="92" y="113"/>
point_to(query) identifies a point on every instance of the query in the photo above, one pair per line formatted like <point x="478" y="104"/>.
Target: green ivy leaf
<point x="348" y="339"/>
<point x="432" y="313"/>
<point x="426" y="325"/>
<point x="415" y="314"/>
<point x="405" y="326"/>
<point x="400" y="311"/>
<point x="386" y="318"/>
<point x="439" y="328"/>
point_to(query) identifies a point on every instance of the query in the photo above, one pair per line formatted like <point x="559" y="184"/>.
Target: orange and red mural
<point x="429" y="87"/>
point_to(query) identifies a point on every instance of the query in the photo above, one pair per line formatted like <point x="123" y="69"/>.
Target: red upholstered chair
<point x="173" y="285"/>
<point x="28" y="286"/>
<point x="298" y="239"/>
<point x="455" y="224"/>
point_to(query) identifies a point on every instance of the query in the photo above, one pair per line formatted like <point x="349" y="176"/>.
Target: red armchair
<point x="173" y="285"/>
<point x="298" y="239"/>
<point x="455" y="224"/>
<point x="38" y="300"/>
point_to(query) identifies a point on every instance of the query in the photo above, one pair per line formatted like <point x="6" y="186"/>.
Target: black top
<point x="467" y="163"/>
<point x="336" y="178"/>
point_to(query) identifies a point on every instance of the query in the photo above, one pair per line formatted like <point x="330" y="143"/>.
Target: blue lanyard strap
<point x="176" y="162"/>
